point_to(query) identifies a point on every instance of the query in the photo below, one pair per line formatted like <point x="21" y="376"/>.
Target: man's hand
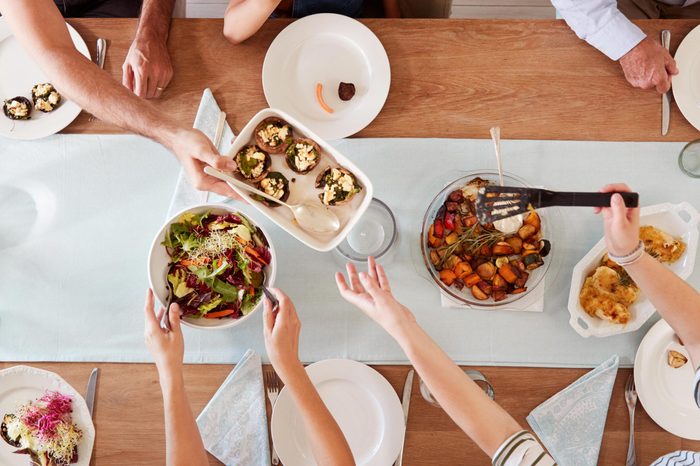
<point x="147" y="70"/>
<point x="648" y="65"/>
<point x="282" y="335"/>
<point x="194" y="149"/>
<point x="166" y="347"/>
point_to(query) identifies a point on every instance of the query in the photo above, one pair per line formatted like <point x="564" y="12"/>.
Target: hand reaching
<point x="620" y="223"/>
<point x="166" y="347"/>
<point x="282" y="335"/>
<point x="147" y="70"/>
<point x="649" y="65"/>
<point x="371" y="293"/>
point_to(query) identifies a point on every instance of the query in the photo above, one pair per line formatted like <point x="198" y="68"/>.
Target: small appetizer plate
<point x="678" y="220"/>
<point x="159" y="264"/>
<point x="666" y="392"/>
<point x="327" y="49"/>
<point x="20" y="74"/>
<point x="21" y="384"/>
<point x="302" y="187"/>
<point x="348" y="388"/>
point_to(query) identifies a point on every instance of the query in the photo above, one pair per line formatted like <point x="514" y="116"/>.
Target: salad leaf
<point x="178" y="280"/>
<point x="228" y="292"/>
<point x="209" y="305"/>
<point x="249" y="303"/>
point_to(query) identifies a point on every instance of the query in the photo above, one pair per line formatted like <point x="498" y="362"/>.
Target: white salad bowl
<point x="159" y="264"/>
<point x="678" y="220"/>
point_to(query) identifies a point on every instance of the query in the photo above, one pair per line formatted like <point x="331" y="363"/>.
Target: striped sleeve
<point x="521" y="449"/>
<point x="696" y="388"/>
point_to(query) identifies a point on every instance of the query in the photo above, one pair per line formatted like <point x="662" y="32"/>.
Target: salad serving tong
<point x="498" y="202"/>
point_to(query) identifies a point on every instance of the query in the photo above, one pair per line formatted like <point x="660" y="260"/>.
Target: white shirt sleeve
<point x="521" y="449"/>
<point x="601" y="24"/>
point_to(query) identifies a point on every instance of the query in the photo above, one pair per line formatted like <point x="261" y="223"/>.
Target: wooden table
<point x="450" y="78"/>
<point x="129" y="413"/>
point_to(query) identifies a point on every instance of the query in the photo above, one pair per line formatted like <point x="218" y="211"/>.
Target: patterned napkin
<point x="233" y="425"/>
<point x="206" y="121"/>
<point x="570" y="424"/>
<point x="533" y="302"/>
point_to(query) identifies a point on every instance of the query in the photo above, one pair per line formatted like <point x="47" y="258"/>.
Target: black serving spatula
<point x="498" y="202"/>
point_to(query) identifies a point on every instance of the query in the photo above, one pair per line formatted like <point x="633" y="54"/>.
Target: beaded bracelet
<point x="631" y="258"/>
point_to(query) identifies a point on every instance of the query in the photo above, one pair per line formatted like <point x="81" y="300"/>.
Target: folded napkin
<point x="571" y="423"/>
<point x="533" y="302"/>
<point x="233" y="425"/>
<point x="206" y="121"/>
<point x="679" y="458"/>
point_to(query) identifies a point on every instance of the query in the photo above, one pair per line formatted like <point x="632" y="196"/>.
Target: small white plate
<point x="20" y="73"/>
<point x="666" y="393"/>
<point x="159" y="264"/>
<point x="362" y="402"/>
<point x="328" y="49"/>
<point x="21" y="384"/>
<point x="303" y="188"/>
<point x="678" y="220"/>
<point x="686" y="85"/>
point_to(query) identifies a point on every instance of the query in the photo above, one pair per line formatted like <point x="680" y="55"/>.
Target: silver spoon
<point x="310" y="216"/>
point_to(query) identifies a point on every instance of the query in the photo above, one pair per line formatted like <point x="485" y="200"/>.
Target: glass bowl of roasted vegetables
<point x="483" y="265"/>
<point x="212" y="261"/>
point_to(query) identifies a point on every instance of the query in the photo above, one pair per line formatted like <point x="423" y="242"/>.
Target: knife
<point x="90" y="395"/>
<point x="405" y="402"/>
<point x="666" y="97"/>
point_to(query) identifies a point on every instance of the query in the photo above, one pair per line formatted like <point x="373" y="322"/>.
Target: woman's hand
<point x="620" y="223"/>
<point x="166" y="347"/>
<point x="282" y="335"/>
<point x="371" y="293"/>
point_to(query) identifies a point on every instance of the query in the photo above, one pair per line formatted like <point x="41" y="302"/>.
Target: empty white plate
<point x="666" y="393"/>
<point x="686" y="85"/>
<point x="328" y="49"/>
<point x="21" y="384"/>
<point x="25" y="73"/>
<point x="362" y="402"/>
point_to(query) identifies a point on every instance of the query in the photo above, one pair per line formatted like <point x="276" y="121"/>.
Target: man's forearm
<point x="154" y="23"/>
<point x="328" y="444"/>
<point x="182" y="438"/>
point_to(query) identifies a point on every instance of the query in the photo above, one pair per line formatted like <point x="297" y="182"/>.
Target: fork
<point x="272" y="386"/>
<point x="631" y="400"/>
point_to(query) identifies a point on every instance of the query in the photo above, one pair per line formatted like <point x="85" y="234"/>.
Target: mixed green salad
<point x="217" y="264"/>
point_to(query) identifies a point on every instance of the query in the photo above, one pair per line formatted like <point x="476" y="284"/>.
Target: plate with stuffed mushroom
<point x="278" y="155"/>
<point x="32" y="107"/>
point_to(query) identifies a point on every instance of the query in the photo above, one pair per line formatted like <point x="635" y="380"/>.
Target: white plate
<point x="686" y="85"/>
<point x="327" y="48"/>
<point x="303" y="189"/>
<point x="364" y="405"/>
<point x="21" y="384"/>
<point x="159" y="261"/>
<point x="666" y="393"/>
<point x="678" y="220"/>
<point x="20" y="73"/>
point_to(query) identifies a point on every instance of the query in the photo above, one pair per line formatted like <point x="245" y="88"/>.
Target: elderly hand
<point x="282" y="335"/>
<point x="194" y="150"/>
<point x="371" y="293"/>
<point x="648" y="65"/>
<point x="166" y="347"/>
<point x="621" y="224"/>
<point x="147" y="70"/>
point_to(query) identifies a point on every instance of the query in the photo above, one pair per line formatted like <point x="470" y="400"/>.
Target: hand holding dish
<point x="310" y="216"/>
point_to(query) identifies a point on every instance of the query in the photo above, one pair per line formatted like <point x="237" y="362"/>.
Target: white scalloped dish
<point x="678" y="220"/>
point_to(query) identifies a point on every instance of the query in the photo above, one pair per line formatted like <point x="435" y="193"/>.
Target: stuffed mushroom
<point x="276" y="185"/>
<point x="46" y="98"/>
<point x="303" y="155"/>
<point x="253" y="163"/>
<point x="17" y="108"/>
<point x="339" y="186"/>
<point x="274" y="135"/>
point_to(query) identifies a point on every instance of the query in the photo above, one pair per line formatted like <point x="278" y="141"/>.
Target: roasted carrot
<point x="217" y="314"/>
<point x="187" y="262"/>
<point x="319" y="98"/>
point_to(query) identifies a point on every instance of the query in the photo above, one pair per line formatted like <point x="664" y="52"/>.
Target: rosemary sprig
<point x="472" y="239"/>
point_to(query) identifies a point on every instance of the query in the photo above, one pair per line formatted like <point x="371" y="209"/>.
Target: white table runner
<point x="78" y="213"/>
